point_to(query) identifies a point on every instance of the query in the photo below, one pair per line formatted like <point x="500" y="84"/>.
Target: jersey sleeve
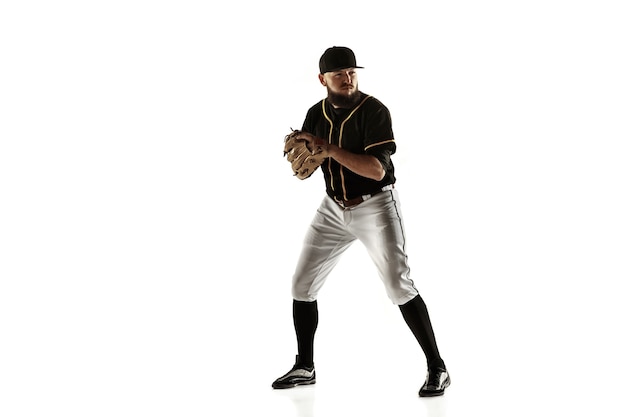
<point x="312" y="116"/>
<point x="379" y="140"/>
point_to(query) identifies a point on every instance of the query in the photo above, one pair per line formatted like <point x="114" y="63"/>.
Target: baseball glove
<point x="304" y="161"/>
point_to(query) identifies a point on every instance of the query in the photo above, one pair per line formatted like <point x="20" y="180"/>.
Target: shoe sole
<point x="293" y="385"/>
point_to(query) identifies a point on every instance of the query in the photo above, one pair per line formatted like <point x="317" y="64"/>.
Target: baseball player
<point x="353" y="130"/>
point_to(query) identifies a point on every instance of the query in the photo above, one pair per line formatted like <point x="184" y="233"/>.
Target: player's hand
<point x="314" y="143"/>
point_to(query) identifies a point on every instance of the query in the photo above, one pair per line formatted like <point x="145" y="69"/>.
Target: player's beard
<point x="344" y="101"/>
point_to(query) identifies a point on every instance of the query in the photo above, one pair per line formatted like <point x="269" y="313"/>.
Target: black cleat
<point x="437" y="380"/>
<point x="299" y="375"/>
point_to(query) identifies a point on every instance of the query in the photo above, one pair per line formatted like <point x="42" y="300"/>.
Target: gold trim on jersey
<point x="332" y="182"/>
<point x="379" y="143"/>
<point x="330" y="140"/>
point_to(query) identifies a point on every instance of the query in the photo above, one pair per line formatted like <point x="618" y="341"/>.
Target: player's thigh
<point x="379" y="225"/>
<point x="325" y="241"/>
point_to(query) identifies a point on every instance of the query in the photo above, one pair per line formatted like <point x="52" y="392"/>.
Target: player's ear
<point x="322" y="80"/>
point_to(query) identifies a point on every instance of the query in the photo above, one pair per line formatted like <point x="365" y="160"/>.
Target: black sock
<point x="416" y="316"/>
<point x="305" y="319"/>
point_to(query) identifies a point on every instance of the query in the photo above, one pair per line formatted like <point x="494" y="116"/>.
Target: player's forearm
<point x="365" y="165"/>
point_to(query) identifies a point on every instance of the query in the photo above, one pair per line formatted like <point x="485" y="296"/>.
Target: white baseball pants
<point x="377" y="223"/>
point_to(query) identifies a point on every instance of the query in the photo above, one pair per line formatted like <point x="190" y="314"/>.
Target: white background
<point x="150" y="225"/>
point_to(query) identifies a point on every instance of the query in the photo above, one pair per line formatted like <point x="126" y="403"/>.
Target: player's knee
<point x="302" y="294"/>
<point x="399" y="293"/>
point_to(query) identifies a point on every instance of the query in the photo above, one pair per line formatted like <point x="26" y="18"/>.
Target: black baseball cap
<point x="337" y="58"/>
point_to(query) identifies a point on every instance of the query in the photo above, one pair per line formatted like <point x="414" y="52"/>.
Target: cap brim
<point x="340" y="68"/>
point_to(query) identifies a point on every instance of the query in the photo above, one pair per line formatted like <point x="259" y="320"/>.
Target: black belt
<point x="358" y="200"/>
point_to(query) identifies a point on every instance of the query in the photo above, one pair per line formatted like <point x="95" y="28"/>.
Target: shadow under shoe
<point x="298" y="375"/>
<point x="437" y="380"/>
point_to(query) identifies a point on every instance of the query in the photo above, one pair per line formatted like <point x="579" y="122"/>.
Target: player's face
<point x="343" y="82"/>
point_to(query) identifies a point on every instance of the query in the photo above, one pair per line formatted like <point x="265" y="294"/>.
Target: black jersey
<point x="362" y="129"/>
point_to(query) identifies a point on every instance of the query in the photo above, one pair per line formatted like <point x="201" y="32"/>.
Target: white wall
<point x="150" y="224"/>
